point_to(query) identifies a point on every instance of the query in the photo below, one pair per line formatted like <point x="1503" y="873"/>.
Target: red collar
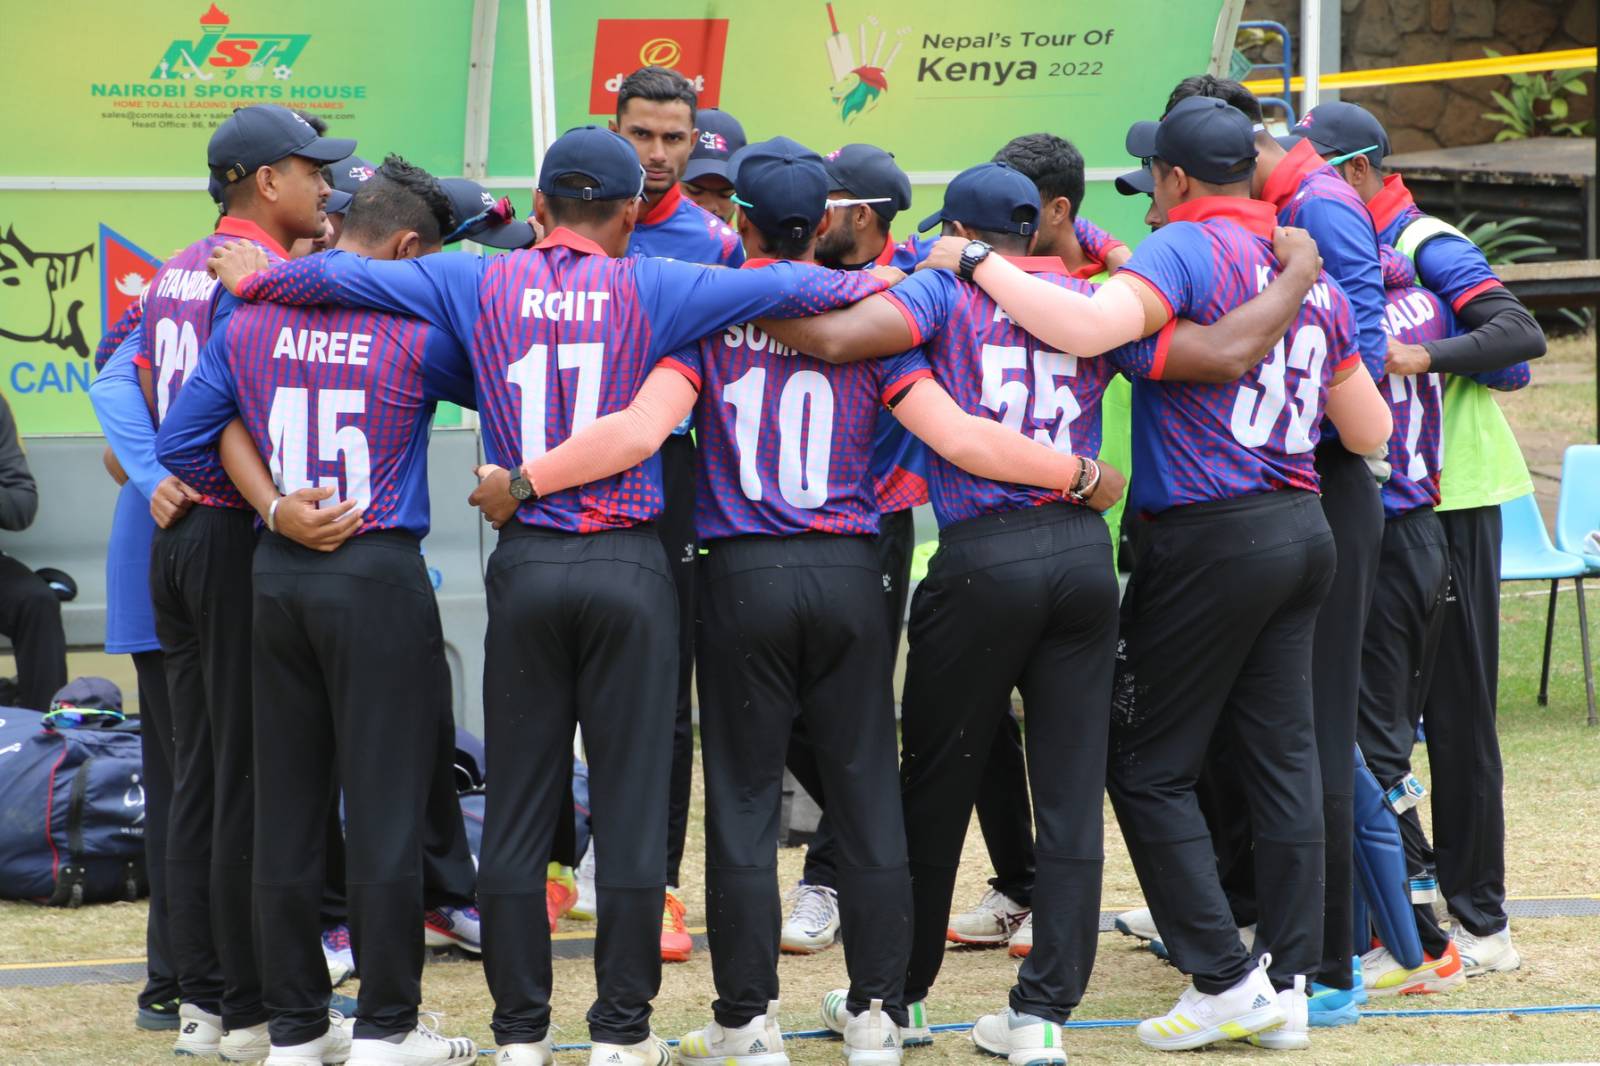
<point x="1038" y="264"/>
<point x="751" y="264"/>
<point x="562" y="237"/>
<point x="885" y="256"/>
<point x="1257" y="216"/>
<point x="243" y="227"/>
<point x="1090" y="268"/>
<point x="1291" y="170"/>
<point x="663" y="210"/>
<point x="1388" y="204"/>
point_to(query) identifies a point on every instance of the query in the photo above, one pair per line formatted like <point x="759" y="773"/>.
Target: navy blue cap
<point x="781" y="186"/>
<point x="720" y="137"/>
<point x="989" y="196"/>
<point x="868" y="172"/>
<point x="475" y="215"/>
<point x="595" y="153"/>
<point x="347" y="176"/>
<point x="1211" y="140"/>
<point x="255" y="136"/>
<point x="88" y="693"/>
<point x="1341" y="128"/>
<point x="1136" y="181"/>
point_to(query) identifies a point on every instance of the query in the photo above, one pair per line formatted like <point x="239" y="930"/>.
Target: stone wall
<point x="1394" y="33"/>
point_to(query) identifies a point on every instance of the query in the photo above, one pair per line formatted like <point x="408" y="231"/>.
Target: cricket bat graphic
<point x="838" y="49"/>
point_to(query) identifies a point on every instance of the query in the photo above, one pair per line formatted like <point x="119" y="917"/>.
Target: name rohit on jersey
<point x="322" y="346"/>
<point x="179" y="284"/>
<point x="563" y="306"/>
<point x="1318" y="295"/>
<point x="1413" y="309"/>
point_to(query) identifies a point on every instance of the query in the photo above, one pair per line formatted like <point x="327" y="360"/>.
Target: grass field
<point x="1552" y="807"/>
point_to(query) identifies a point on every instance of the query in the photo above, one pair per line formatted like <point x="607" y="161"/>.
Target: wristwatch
<point x="974" y="253"/>
<point x="522" y="489"/>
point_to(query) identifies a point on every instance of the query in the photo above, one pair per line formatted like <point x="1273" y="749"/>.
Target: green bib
<point x="1481" y="460"/>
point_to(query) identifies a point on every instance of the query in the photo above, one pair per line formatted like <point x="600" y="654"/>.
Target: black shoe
<point x="158" y="1016"/>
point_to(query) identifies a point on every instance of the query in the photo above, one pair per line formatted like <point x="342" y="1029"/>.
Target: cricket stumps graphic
<point x="858" y="83"/>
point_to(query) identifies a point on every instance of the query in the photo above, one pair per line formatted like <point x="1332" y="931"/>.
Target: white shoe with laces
<point x="332" y="1046"/>
<point x="758" y="1042"/>
<point x="992" y="921"/>
<point x="1295" y="1033"/>
<point x="585" y="909"/>
<point x="1138" y="923"/>
<point x="538" y="1053"/>
<point x="422" y="1046"/>
<point x="1022" y="1038"/>
<point x="651" y="1051"/>
<point x="871" y="1038"/>
<point x="199" y="1032"/>
<point x="1486" y="954"/>
<point x="813" y="921"/>
<point x="250" y="1044"/>
<point x="1022" y="939"/>
<point x="1198" y="1019"/>
<point x="836" y="1016"/>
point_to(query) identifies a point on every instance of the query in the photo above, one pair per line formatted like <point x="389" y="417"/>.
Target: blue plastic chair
<point x="1526" y="554"/>
<point x="1578" y="512"/>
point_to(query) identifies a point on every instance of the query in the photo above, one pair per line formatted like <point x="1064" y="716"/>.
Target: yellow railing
<point x="1487" y="67"/>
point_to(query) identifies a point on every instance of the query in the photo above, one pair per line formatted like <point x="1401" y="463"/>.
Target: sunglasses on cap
<point x="500" y="212"/>
<point x="1336" y="160"/>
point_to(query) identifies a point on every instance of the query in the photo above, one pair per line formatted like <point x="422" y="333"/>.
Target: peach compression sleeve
<point x="980" y="446"/>
<point x="1067" y="320"/>
<point x="620" y="440"/>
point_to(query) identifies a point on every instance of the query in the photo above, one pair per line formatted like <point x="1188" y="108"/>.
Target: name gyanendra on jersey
<point x="1317" y="296"/>
<point x="179" y="284"/>
<point x="322" y="346"/>
<point x="1413" y="309"/>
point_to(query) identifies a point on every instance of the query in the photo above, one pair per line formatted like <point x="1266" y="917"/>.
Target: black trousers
<point x="1246" y="577"/>
<point x="1354" y="512"/>
<point x="155" y="750"/>
<point x="790" y="628"/>
<point x="895" y="542"/>
<point x="200" y="588"/>
<point x="1469" y="819"/>
<point x="335" y="707"/>
<point x="30" y="614"/>
<point x="582" y="631"/>
<point x="675" y="525"/>
<point x="1396" y="664"/>
<point x="1025" y="599"/>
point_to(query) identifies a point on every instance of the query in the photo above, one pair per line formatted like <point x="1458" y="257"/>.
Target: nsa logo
<point x="888" y="583"/>
<point x="713" y="142"/>
<point x="233" y="54"/>
<point x="361" y="173"/>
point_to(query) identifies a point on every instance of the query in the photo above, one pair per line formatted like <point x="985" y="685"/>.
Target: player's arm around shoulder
<point x="885" y="323"/>
<point x="1354" y="404"/>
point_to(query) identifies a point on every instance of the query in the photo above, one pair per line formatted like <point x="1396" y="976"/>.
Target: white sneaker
<point x="756" y="1043"/>
<point x="1022" y="939"/>
<point x="538" y="1053"/>
<point x="836" y="1016"/>
<point x="332" y="1046"/>
<point x="992" y="921"/>
<point x="250" y="1044"/>
<point x="199" y="1032"/>
<point x="460" y="927"/>
<point x="651" y="1051"/>
<point x="1251" y="1006"/>
<point x="585" y="909"/>
<point x="872" y="1038"/>
<point x="1486" y="954"/>
<point x="813" y="922"/>
<point x="422" y="1046"/>
<point x="338" y="954"/>
<point x="1022" y="1038"/>
<point x="1295" y="1033"/>
<point x="1138" y="923"/>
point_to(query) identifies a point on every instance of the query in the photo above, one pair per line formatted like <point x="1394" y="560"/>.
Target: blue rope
<point x="1128" y="1023"/>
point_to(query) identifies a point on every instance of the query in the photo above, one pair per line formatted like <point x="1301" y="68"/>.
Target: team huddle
<point x="704" y="434"/>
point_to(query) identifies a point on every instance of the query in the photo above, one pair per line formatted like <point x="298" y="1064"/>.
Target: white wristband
<point x="272" y="515"/>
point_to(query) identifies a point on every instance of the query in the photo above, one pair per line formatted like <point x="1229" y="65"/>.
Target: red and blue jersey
<point x="332" y="397"/>
<point x="1448" y="264"/>
<point x="181" y="306"/>
<point x="561" y="334"/>
<point x="1195" y="442"/>
<point x="113" y="337"/>
<point x="994" y="369"/>
<point x="678" y="228"/>
<point x="899" y="459"/>
<point x="1310" y="194"/>
<point x="785" y="441"/>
